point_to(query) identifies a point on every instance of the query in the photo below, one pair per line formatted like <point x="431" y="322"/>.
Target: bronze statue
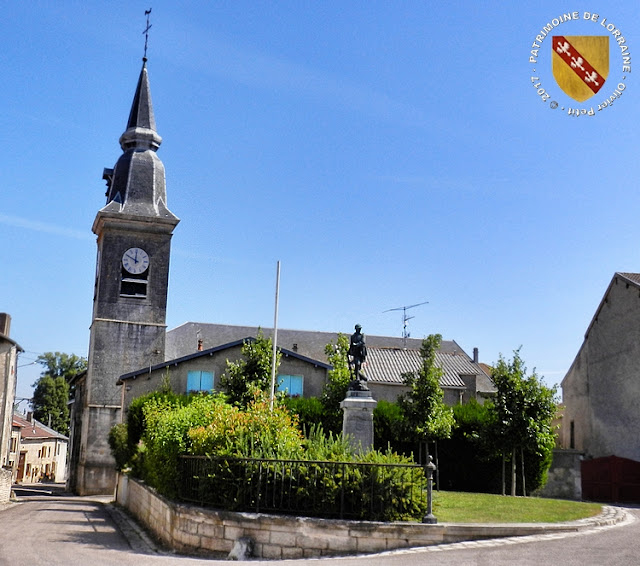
<point x="357" y="355"/>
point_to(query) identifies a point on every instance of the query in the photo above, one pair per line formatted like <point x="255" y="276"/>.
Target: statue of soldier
<point x="357" y="355"/>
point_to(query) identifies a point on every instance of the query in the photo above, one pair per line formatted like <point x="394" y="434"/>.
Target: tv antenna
<point x="405" y="318"/>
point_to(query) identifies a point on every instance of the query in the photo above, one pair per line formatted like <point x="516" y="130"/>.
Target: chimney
<point x="475" y="355"/>
<point x="30" y="416"/>
<point x="5" y="323"/>
<point x="199" y="344"/>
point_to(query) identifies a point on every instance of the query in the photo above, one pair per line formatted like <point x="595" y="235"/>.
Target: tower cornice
<point x="133" y="222"/>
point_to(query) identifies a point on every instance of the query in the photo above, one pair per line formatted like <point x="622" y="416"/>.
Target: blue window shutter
<point x="283" y="383"/>
<point x="193" y="381"/>
<point x="206" y="381"/>
<point x="292" y="384"/>
<point x="295" y="387"/>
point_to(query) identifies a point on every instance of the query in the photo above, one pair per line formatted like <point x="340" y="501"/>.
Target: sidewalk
<point x="141" y="541"/>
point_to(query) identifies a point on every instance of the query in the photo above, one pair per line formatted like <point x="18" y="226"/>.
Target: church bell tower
<point x="128" y="327"/>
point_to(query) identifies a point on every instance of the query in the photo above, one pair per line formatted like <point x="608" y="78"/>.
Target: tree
<point x="523" y="410"/>
<point x="242" y="378"/>
<point x="426" y="415"/>
<point x="51" y="393"/>
<point x="338" y="379"/>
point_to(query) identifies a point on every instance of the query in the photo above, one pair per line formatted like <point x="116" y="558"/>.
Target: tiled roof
<point x="210" y="351"/>
<point x="34" y="429"/>
<point x="182" y="340"/>
<point x="386" y="365"/>
<point x="635" y="277"/>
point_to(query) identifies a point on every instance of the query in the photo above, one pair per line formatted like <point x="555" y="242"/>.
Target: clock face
<point x="135" y="260"/>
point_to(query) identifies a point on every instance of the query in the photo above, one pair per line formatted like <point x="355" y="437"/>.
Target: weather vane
<point x="146" y="33"/>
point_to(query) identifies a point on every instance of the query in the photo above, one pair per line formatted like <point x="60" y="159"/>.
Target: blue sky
<point x="387" y="153"/>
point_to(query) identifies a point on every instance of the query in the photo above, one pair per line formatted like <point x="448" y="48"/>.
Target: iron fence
<point x="365" y="491"/>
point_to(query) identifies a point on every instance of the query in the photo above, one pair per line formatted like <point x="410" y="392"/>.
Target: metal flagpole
<point x="275" y="339"/>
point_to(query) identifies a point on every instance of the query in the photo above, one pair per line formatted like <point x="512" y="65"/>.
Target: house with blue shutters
<point x="197" y="355"/>
<point x="202" y="369"/>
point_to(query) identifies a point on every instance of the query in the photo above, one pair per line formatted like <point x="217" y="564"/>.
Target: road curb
<point x="136" y="536"/>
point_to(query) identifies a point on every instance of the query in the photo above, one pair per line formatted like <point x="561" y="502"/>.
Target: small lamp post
<point x="429" y="518"/>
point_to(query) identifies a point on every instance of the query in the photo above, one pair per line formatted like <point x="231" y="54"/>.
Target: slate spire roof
<point x="141" y="127"/>
<point x="136" y="185"/>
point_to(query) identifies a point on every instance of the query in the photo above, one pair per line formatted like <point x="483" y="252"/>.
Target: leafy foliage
<point x="244" y="377"/>
<point x="523" y="410"/>
<point x="310" y="411"/>
<point x="162" y="426"/>
<point x="338" y="379"/>
<point x="119" y="445"/>
<point x="166" y="434"/>
<point x="51" y="393"/>
<point x="57" y="364"/>
<point x="425" y="414"/>
<point x="466" y="460"/>
<point x="257" y="432"/>
<point x="388" y="425"/>
<point x="396" y="502"/>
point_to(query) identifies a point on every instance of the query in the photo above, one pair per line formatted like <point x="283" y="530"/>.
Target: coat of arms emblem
<point x="580" y="64"/>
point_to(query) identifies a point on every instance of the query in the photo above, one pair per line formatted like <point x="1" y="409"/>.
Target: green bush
<point x="161" y="427"/>
<point x="119" y="445"/>
<point x="387" y="424"/>
<point x="309" y="410"/>
<point x="330" y="447"/>
<point x="257" y="432"/>
<point x="398" y="494"/>
<point x="466" y="460"/>
<point x="166" y="435"/>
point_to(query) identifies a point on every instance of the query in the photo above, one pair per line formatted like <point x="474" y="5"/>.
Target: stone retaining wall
<point x="196" y="530"/>
<point x="564" y="479"/>
<point x="5" y="485"/>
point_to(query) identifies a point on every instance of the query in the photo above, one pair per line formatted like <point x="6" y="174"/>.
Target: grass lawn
<point x="458" y="507"/>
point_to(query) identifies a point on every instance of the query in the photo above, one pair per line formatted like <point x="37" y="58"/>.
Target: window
<point x="199" y="381"/>
<point x="572" y="435"/>
<point x="134" y="285"/>
<point x="292" y="384"/>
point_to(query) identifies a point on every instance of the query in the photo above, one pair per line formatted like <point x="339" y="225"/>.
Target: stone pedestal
<point x="357" y="423"/>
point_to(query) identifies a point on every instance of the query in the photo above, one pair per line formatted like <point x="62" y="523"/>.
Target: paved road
<point x="56" y="529"/>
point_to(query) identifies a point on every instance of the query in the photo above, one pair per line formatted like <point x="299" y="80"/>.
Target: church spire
<point x="141" y="128"/>
<point x="136" y="185"/>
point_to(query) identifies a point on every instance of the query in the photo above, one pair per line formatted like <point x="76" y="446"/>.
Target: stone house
<point x="601" y="390"/>
<point x="201" y="350"/>
<point x="40" y="452"/>
<point x="202" y="370"/>
<point x="462" y="379"/>
<point x="9" y="350"/>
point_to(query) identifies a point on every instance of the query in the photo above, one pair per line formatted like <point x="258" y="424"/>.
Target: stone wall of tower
<point x="128" y="327"/>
